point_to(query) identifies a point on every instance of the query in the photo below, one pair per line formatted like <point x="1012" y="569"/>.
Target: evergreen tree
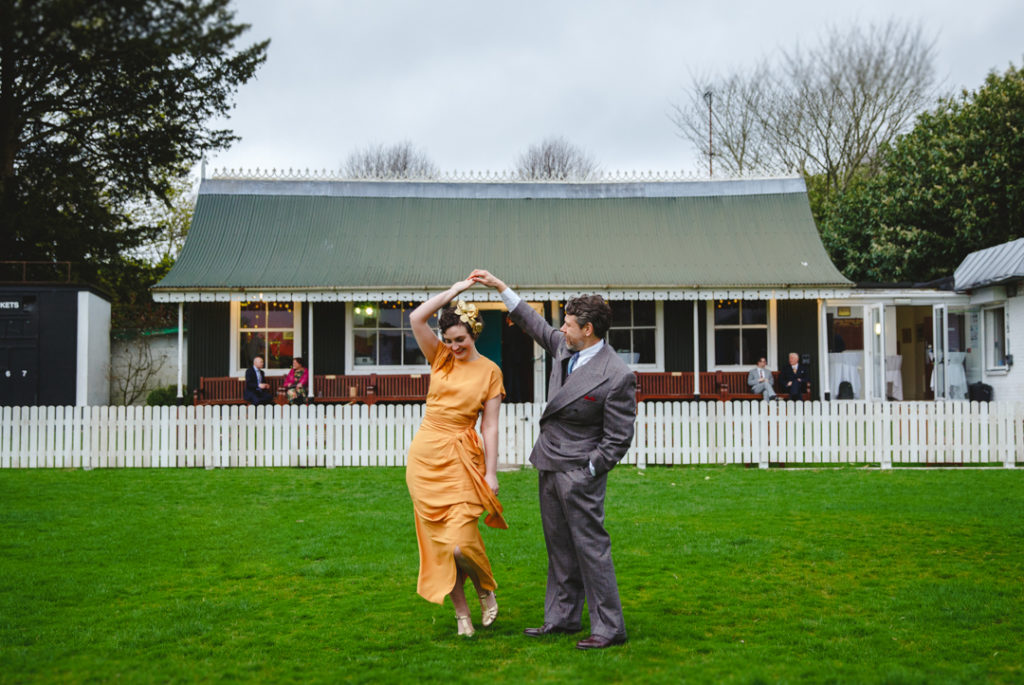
<point x="952" y="185"/>
<point x="102" y="104"/>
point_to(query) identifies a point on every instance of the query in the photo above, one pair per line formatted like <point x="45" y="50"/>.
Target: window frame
<point x="350" y="365"/>
<point x="986" y="341"/>
<point x="659" y="336"/>
<point x="236" y="330"/>
<point x="769" y="327"/>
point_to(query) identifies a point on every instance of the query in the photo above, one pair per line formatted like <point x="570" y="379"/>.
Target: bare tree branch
<point x="820" y="111"/>
<point x="854" y="92"/>
<point x="136" y="371"/>
<point x="401" y="160"/>
<point x="556" y="159"/>
<point x="738" y="142"/>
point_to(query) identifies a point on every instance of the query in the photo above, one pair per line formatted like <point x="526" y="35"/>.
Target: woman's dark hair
<point x="591" y="309"/>
<point x="300" y="360"/>
<point x="448" y="318"/>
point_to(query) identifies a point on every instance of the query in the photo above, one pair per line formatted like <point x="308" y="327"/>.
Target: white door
<point x="540" y="378"/>
<point x="940" y="353"/>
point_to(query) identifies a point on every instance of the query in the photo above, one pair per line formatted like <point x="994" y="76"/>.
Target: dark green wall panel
<point x="679" y="335"/>
<point x="328" y="337"/>
<point x="798" y="332"/>
<point x="209" y="340"/>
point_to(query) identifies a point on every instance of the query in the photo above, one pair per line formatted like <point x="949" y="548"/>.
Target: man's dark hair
<point x="591" y="309"/>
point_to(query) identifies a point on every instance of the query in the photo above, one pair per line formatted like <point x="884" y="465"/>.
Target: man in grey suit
<point x="585" y="430"/>
<point x="760" y="379"/>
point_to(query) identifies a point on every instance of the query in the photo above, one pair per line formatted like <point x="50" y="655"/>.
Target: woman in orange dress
<point x="452" y="478"/>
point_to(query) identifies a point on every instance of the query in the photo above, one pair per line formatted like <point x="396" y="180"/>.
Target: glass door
<point x="940" y="372"/>
<point x="876" y="365"/>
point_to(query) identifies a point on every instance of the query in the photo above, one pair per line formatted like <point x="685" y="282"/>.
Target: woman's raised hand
<point x="462" y="285"/>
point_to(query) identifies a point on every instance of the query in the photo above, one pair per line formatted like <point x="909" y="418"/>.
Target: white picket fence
<point x="760" y="433"/>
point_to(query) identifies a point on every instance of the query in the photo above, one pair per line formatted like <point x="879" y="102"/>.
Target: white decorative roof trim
<point x="899" y="297"/>
<point x="530" y="294"/>
<point x="491" y="189"/>
<point x="471" y="176"/>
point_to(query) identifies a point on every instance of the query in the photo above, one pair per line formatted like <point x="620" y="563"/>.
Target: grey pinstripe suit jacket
<point x="590" y="416"/>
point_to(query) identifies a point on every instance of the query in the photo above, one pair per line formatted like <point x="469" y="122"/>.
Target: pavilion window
<point x="741" y="332"/>
<point x="266" y="329"/>
<point x="634" y="329"/>
<point x="382" y="335"/>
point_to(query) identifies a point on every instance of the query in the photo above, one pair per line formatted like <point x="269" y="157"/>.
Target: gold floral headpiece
<point x="468" y="315"/>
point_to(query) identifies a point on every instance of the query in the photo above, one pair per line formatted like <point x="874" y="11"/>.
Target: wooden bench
<point x="735" y="387"/>
<point x="228" y="389"/>
<point x="399" y="388"/>
<point x="340" y="388"/>
<point x="373" y="388"/>
<point x="329" y="388"/>
<point x="714" y="385"/>
<point x="675" y="385"/>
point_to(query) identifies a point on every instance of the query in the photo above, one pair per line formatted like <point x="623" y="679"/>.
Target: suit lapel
<point x="556" y="381"/>
<point x="580" y="381"/>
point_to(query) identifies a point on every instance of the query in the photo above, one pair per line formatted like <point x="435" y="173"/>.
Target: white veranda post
<point x="181" y="337"/>
<point x="824" y="375"/>
<point x="696" y="350"/>
<point x="309" y="362"/>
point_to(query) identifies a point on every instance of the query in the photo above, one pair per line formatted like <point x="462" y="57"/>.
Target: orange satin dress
<point x="445" y="473"/>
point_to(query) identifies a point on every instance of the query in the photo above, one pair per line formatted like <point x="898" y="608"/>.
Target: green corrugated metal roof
<point x="366" y="235"/>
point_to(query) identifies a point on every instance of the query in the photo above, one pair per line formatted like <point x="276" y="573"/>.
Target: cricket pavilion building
<point x="702" y="276"/>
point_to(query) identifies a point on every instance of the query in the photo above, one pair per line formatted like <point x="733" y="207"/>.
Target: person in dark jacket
<point x="257" y="390"/>
<point x="794" y="377"/>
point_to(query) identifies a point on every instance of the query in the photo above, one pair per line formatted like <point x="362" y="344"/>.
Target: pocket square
<point x="590" y="398"/>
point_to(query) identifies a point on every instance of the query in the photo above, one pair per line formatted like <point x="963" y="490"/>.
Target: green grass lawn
<point x="726" y="575"/>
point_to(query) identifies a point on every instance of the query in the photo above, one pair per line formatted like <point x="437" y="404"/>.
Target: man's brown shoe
<point x="548" y="629"/>
<point x="598" y="642"/>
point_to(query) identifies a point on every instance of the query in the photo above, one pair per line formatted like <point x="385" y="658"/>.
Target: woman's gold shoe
<point x="465" y="625"/>
<point x="488" y="608"/>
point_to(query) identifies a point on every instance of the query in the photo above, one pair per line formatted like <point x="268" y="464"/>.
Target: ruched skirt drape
<point x="445" y="476"/>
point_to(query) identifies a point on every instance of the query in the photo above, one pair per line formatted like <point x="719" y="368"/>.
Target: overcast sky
<point x="473" y="84"/>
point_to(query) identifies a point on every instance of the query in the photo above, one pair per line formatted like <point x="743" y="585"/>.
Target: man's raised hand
<point x="484" y="277"/>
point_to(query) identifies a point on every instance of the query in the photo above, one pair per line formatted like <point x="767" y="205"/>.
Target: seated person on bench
<point x="257" y="390"/>
<point x="761" y="380"/>
<point x="794" y="377"/>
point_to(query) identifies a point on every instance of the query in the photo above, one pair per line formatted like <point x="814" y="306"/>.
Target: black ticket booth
<point x="54" y="345"/>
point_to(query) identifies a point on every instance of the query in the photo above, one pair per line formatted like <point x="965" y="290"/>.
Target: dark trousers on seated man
<point x="253" y="393"/>
<point x="796" y="391"/>
<point x="258" y="397"/>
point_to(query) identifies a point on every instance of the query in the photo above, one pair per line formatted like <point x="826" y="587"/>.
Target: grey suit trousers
<point x="764" y="388"/>
<point x="579" y="553"/>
